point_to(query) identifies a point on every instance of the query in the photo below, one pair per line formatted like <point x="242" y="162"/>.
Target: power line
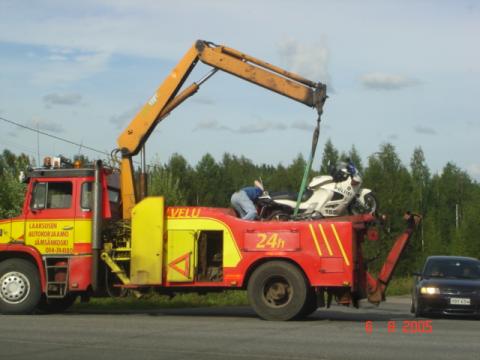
<point x="53" y="136"/>
<point x="20" y="147"/>
<point x="80" y="145"/>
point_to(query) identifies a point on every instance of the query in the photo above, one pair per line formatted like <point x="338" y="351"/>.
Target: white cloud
<point x="425" y="130"/>
<point x="62" y="99"/>
<point x="303" y="125"/>
<point x="203" y="100"/>
<point x="58" y="53"/>
<point x="474" y="170"/>
<point x="68" y="65"/>
<point x="109" y="27"/>
<point x="260" y="126"/>
<point x="472" y="124"/>
<point x="132" y="27"/>
<point x="122" y="119"/>
<point x="383" y="81"/>
<point x="57" y="57"/>
<point x="310" y="61"/>
<point x="46" y="125"/>
<point x="211" y="124"/>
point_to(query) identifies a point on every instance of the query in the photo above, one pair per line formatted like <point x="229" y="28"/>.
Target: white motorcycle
<point x="338" y="194"/>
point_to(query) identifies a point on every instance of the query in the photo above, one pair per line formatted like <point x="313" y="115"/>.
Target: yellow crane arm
<point x="167" y="98"/>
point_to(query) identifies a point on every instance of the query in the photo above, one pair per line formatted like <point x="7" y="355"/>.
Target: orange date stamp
<point x="403" y="326"/>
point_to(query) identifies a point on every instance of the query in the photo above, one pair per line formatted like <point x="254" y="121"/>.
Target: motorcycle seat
<point x="284" y="195"/>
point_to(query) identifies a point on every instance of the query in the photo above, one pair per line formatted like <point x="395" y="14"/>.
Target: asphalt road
<point x="236" y="333"/>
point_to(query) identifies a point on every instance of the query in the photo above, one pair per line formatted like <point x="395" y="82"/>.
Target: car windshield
<point x="453" y="268"/>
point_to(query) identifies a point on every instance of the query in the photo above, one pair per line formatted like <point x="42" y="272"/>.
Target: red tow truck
<point x="62" y="246"/>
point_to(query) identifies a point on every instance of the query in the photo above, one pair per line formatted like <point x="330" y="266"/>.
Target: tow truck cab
<point x="54" y="230"/>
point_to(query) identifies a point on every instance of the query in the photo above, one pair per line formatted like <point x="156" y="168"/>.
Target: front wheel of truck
<point x="19" y="287"/>
<point x="277" y="290"/>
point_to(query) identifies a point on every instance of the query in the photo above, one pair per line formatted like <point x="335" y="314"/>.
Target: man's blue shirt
<point x="252" y="192"/>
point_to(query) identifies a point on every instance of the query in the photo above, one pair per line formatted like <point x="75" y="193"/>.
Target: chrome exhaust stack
<point x="97" y="218"/>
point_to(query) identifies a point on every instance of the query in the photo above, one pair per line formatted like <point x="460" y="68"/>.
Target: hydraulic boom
<point x="167" y="98"/>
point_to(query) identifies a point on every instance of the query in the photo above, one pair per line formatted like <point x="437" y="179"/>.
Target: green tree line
<point x="11" y="188"/>
<point x="448" y="201"/>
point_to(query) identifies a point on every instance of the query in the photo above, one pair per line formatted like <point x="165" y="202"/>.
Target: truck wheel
<point x="56" y="305"/>
<point x="19" y="287"/>
<point x="277" y="290"/>
<point x="310" y="304"/>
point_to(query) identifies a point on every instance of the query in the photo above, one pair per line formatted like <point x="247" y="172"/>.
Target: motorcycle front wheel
<point x="369" y="206"/>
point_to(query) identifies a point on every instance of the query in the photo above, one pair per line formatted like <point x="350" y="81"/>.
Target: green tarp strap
<point x="320" y="97"/>
<point x="308" y="166"/>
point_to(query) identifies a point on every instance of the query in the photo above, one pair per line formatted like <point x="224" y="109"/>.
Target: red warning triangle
<point x="184" y="258"/>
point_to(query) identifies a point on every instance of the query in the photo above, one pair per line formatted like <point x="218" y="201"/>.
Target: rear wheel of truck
<point x="56" y="305"/>
<point x="310" y="304"/>
<point x="277" y="290"/>
<point x="19" y="287"/>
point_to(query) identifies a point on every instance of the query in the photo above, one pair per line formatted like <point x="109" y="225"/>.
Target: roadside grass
<point x="400" y="286"/>
<point x="155" y="301"/>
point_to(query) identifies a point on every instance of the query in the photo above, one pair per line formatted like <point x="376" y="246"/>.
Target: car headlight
<point x="428" y="290"/>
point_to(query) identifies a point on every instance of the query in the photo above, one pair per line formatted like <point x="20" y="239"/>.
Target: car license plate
<point x="460" y="301"/>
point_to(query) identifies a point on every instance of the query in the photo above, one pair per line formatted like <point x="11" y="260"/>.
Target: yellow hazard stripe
<point x="315" y="239"/>
<point x="325" y="239"/>
<point x="340" y="245"/>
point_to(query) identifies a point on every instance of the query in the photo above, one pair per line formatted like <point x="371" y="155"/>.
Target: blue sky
<point x="404" y="72"/>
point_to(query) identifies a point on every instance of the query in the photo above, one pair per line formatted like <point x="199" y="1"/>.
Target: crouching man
<point x="243" y="200"/>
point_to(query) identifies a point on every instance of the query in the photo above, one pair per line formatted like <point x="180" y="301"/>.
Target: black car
<point x="448" y="285"/>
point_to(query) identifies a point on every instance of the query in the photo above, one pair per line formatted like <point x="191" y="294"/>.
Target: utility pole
<point x="456" y="216"/>
<point x="38" y="144"/>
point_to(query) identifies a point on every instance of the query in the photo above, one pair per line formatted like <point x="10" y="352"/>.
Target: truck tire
<point x="20" y="290"/>
<point x="51" y="306"/>
<point x="277" y="290"/>
<point x="310" y="304"/>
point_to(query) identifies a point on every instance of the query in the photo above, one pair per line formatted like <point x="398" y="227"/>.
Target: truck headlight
<point x="428" y="290"/>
